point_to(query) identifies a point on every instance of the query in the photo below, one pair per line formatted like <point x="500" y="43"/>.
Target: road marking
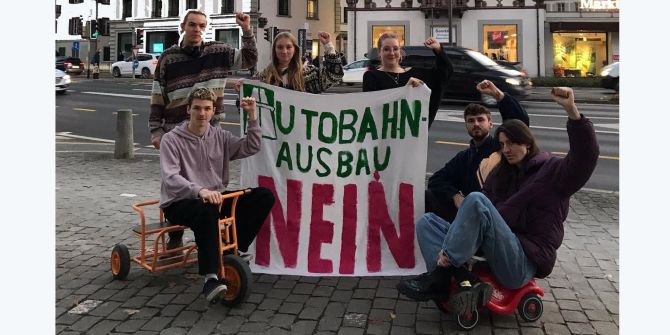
<point x="115" y="113"/>
<point x="560" y="153"/>
<point x="453" y="143"/>
<point x="84" y="109"/>
<point x="120" y="95"/>
<point x="142" y="89"/>
<point x="70" y="135"/>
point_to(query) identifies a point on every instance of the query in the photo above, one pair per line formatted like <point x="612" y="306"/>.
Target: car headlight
<point x="66" y="78"/>
<point x="513" y="81"/>
<point x="606" y="71"/>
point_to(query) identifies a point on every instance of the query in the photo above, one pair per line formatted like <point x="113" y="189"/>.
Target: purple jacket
<point x="537" y="210"/>
<point x="190" y="163"/>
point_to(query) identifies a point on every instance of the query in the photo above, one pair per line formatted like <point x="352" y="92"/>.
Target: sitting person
<point x="517" y="219"/>
<point x="194" y="160"/>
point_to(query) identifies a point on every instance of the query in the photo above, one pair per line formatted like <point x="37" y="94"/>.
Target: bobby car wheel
<point x="120" y="260"/>
<point x="530" y="307"/>
<point x="468" y="320"/>
<point x="238" y="280"/>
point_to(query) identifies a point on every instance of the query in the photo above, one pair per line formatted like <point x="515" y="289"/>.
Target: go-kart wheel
<point x="530" y="307"/>
<point x="468" y="320"/>
<point x="120" y="260"/>
<point x="238" y="280"/>
<point x="440" y="306"/>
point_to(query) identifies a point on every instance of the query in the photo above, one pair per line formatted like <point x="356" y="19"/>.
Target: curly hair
<point x="202" y="93"/>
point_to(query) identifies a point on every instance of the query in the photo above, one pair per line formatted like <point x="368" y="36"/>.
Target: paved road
<point x="89" y="110"/>
<point x="93" y="197"/>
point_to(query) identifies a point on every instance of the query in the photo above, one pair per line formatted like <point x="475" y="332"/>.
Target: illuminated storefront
<point x="500" y="42"/>
<point x="378" y="30"/>
<point x="579" y="54"/>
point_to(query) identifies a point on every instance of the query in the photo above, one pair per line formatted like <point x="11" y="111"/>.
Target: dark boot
<point x="470" y="292"/>
<point x="427" y="286"/>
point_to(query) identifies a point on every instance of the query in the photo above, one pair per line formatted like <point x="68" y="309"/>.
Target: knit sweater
<point x="190" y="163"/>
<point x="180" y="69"/>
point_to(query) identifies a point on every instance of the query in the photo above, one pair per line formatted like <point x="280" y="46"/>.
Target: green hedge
<point x="566" y="81"/>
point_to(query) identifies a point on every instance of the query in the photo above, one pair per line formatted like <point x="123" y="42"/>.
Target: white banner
<point x="348" y="175"/>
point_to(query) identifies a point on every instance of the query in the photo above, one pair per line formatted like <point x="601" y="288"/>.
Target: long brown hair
<point x="507" y="174"/>
<point x="295" y="76"/>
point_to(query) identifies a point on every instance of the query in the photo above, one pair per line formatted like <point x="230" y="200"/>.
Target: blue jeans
<point x="477" y="224"/>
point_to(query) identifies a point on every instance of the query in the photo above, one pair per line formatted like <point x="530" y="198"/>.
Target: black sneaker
<point x="471" y="293"/>
<point x="213" y="290"/>
<point x="427" y="286"/>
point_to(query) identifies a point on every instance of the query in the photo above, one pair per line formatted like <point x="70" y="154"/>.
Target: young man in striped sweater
<point x="195" y="63"/>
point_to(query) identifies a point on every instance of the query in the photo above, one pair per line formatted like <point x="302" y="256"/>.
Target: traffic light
<point x="103" y="26"/>
<point x="270" y="33"/>
<point x="266" y="33"/>
<point x="139" y="39"/>
<point x="93" y="30"/>
<point x="74" y="26"/>
<point x="103" y="2"/>
<point x="76" y="1"/>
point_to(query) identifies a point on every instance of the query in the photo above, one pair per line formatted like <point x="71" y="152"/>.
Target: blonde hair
<point x="201" y="93"/>
<point x="295" y="77"/>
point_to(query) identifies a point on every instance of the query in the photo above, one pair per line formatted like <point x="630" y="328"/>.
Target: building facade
<point x="80" y="45"/>
<point x="512" y="30"/>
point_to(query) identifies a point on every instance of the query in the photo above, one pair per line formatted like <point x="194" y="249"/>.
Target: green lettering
<point x="323" y="164"/>
<point x="344" y="159"/>
<point x="387" y="156"/>
<point x="406" y="117"/>
<point x="291" y="110"/>
<point x="367" y="126"/>
<point x="347" y="126"/>
<point x="309" y="158"/>
<point x="309" y="115"/>
<point x="389" y="121"/>
<point x="325" y="138"/>
<point x="284" y="155"/>
<point x="362" y="162"/>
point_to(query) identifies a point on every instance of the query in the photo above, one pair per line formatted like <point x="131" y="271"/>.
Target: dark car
<point x="470" y="68"/>
<point x="72" y="65"/>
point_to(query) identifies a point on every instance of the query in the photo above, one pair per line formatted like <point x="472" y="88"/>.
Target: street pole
<point x="450" y="30"/>
<point x="92" y="41"/>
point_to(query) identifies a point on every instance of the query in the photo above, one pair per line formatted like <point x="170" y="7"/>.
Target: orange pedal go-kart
<point x="526" y="299"/>
<point x="155" y="256"/>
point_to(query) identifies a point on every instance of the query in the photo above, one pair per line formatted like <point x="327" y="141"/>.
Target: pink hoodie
<point x="190" y="163"/>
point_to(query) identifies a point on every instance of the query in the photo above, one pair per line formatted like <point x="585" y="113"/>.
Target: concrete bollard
<point x="123" y="145"/>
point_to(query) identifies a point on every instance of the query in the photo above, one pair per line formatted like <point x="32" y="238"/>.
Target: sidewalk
<point x="93" y="198"/>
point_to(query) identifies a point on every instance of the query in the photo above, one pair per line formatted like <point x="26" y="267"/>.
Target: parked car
<point x="470" y="68"/>
<point x="145" y="68"/>
<point x="353" y="72"/>
<point x="610" y="74"/>
<point x="71" y="65"/>
<point x="62" y="82"/>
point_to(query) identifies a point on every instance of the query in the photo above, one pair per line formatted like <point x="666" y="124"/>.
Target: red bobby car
<point x="525" y="299"/>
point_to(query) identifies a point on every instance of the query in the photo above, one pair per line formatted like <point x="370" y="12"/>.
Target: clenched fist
<point x="324" y="37"/>
<point x="243" y="20"/>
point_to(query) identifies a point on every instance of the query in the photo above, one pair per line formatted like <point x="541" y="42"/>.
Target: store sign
<point x="441" y="34"/>
<point x="599" y="4"/>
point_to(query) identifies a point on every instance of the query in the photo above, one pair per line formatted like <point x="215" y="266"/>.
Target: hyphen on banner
<point x="348" y="175"/>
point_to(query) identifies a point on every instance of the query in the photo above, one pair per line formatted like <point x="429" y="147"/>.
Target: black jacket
<point x="460" y="173"/>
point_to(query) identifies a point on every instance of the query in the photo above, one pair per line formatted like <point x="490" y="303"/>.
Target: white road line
<point x="120" y="95"/>
<point x="142" y="89"/>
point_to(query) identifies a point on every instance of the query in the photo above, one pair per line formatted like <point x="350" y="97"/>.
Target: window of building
<point x="61" y="51"/>
<point x="173" y="8"/>
<point x="579" y="54"/>
<point x="157" y="42"/>
<point x="191" y="4"/>
<point x="227" y="6"/>
<point x="312" y="9"/>
<point x="560" y="7"/>
<point x="106" y="54"/>
<point x="156" y="8"/>
<point x="377" y="31"/>
<point x="346" y="15"/>
<point x="283" y="8"/>
<point x="230" y="36"/>
<point x="500" y="41"/>
<point x="127" y="9"/>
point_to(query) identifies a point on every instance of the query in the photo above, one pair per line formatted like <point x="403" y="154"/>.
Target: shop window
<point x="377" y="31"/>
<point x="283" y="8"/>
<point x="230" y="36"/>
<point x="579" y="54"/>
<point x="500" y="42"/>
<point x="312" y="9"/>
